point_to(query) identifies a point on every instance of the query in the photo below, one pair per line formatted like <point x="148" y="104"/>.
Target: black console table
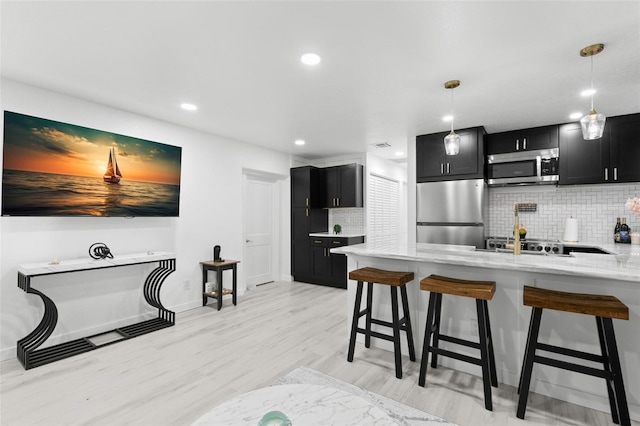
<point x="29" y="354"/>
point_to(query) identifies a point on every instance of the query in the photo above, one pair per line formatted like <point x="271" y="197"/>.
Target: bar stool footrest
<point x="573" y="367"/>
<point x="458" y="341"/>
<point x="570" y="352"/>
<point x="455" y="355"/>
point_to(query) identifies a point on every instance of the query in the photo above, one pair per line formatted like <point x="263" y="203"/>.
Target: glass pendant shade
<point x="452" y="140"/>
<point x="592" y="125"/>
<point x="452" y="144"/>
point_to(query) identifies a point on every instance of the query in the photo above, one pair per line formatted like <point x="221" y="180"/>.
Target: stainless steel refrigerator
<point x="452" y="212"/>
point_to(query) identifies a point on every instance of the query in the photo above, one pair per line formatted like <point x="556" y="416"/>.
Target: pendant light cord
<point x="452" y="110"/>
<point x="591" y="82"/>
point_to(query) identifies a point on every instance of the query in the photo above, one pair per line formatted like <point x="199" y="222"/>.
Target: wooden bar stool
<point x="479" y="290"/>
<point x="393" y="280"/>
<point x="604" y="308"/>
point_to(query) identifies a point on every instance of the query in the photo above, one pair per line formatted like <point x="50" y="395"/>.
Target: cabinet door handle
<point x="307" y="211"/>
<point x="441" y="168"/>
<point x="338" y="202"/>
<point x="606" y="173"/>
<point x="336" y="242"/>
<point x="615" y="173"/>
<point x="307" y="202"/>
<point x="448" y="168"/>
<point x="318" y="241"/>
<point x="524" y="143"/>
<point x="517" y="144"/>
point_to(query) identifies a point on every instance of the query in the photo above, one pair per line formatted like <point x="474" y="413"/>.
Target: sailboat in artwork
<point x="112" y="175"/>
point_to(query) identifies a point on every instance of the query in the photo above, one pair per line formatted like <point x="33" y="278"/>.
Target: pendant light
<point x="452" y="140"/>
<point x="593" y="123"/>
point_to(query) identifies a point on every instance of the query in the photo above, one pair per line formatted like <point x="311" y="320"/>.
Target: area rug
<point x="401" y="414"/>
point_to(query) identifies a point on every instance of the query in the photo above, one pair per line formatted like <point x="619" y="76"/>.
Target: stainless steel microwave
<point x="523" y="168"/>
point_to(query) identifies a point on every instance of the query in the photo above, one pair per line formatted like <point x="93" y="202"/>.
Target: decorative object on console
<point x="593" y="123"/>
<point x="52" y="168"/>
<point x="100" y="251"/>
<point x="452" y="140"/>
<point x="216" y="254"/>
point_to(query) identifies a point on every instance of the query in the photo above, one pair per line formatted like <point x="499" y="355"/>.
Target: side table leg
<point x="219" y="284"/>
<point x="205" y="271"/>
<point x="235" y="285"/>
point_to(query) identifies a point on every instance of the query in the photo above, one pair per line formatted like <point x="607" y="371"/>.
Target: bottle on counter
<point x="625" y="230"/>
<point x="616" y="231"/>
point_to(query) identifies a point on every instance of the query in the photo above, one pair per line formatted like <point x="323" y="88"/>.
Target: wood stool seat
<point x="481" y="291"/>
<point x="604" y="309"/>
<point x="380" y="276"/>
<point x="395" y="280"/>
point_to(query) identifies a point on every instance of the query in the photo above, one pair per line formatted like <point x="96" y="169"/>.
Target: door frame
<point x="278" y="215"/>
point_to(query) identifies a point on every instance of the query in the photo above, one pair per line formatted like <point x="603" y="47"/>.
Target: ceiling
<point x="384" y="64"/>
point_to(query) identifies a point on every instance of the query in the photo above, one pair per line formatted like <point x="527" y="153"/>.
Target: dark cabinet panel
<point x="306" y="188"/>
<point x="610" y="159"/>
<point x="432" y="163"/>
<point x="329" y="268"/>
<point x="625" y="147"/>
<point x="523" y="140"/>
<point x="343" y="186"/>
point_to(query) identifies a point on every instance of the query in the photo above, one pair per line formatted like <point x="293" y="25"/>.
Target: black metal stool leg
<point x="616" y="370"/>
<point x="436" y="329"/>
<point x="492" y="358"/>
<point x="607" y="367"/>
<point x="354" y="322"/>
<point x="395" y="320"/>
<point x="526" y="349"/>
<point x="427" y="338"/>
<point x="367" y="336"/>
<point x="484" y="354"/>
<point x="407" y="322"/>
<point x="527" y="365"/>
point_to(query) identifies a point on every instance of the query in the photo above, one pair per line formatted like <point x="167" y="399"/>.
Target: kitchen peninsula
<point x="616" y="274"/>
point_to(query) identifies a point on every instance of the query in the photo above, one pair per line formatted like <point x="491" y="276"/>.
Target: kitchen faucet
<point x="516" y="233"/>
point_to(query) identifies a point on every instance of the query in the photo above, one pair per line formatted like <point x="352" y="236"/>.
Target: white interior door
<point x="259" y="198"/>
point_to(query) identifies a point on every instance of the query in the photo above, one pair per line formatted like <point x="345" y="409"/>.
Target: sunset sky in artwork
<point x="46" y="146"/>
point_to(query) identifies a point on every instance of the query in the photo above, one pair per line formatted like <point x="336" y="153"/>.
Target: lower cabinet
<point x="327" y="268"/>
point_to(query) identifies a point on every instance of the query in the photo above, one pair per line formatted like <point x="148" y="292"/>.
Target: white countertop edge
<point x="331" y="234"/>
<point x="625" y="265"/>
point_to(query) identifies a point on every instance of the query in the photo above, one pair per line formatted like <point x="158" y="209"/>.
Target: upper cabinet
<point x="523" y="140"/>
<point x="343" y="186"/>
<point x="611" y="159"/>
<point x="434" y="165"/>
<point x="306" y="187"/>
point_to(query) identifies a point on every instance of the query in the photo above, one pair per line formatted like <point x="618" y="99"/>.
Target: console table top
<point x="47" y="268"/>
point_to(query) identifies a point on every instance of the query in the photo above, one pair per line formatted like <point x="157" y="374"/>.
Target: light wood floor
<point x="175" y="375"/>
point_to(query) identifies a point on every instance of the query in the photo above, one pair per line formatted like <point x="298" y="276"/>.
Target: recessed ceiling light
<point x="575" y="115"/>
<point x="399" y="153"/>
<point x="299" y="142"/>
<point x="188" y="107"/>
<point x="310" y="59"/>
<point x="447" y="118"/>
<point x="588" y="92"/>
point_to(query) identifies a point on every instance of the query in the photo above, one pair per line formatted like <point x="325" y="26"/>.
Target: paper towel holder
<point x="570" y="230"/>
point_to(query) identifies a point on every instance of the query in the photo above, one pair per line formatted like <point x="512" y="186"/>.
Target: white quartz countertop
<point x="331" y="234"/>
<point x="623" y="265"/>
<point x="58" y="266"/>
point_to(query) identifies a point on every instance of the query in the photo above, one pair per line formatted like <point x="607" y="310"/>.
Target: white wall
<point x="210" y="213"/>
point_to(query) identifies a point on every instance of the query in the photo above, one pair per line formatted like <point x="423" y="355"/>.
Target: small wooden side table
<point x="219" y="267"/>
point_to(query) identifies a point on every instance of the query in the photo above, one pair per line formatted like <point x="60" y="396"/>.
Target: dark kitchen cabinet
<point x="306" y="218"/>
<point x="328" y="268"/>
<point x="434" y="165"/>
<point x="523" y="140"/>
<point x="343" y="186"/>
<point x="610" y="159"/>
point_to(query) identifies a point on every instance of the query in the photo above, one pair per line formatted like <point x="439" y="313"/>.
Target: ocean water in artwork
<point x="46" y="194"/>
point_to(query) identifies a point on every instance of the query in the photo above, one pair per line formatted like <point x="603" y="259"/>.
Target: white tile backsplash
<point x="595" y="206"/>
<point x="351" y="220"/>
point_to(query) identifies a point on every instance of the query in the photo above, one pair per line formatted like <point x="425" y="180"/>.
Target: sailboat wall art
<point x="50" y="168"/>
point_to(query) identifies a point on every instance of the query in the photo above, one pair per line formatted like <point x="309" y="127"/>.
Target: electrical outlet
<point x="187" y="285"/>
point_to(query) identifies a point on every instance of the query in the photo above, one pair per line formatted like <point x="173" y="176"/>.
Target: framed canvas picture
<point x="51" y="168"/>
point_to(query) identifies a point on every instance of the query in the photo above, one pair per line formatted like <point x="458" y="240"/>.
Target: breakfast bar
<point x="616" y="273"/>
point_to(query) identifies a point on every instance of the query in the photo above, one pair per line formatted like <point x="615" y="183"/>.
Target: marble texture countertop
<point x="46" y="268"/>
<point x="623" y="265"/>
<point x="331" y="234"/>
